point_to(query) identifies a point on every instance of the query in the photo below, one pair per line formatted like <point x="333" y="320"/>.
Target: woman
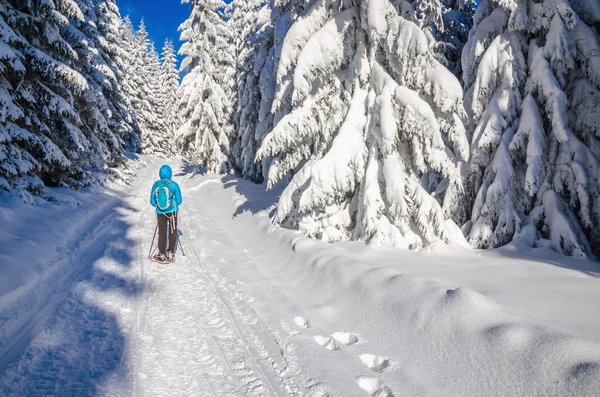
<point x="166" y="198"/>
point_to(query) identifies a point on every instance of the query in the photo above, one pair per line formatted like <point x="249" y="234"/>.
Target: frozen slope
<point x="255" y="310"/>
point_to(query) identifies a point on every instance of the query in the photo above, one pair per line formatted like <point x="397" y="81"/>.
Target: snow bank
<point x="40" y="245"/>
<point x="450" y="321"/>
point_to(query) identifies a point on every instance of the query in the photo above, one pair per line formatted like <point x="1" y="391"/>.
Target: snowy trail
<point x="254" y="310"/>
<point x="188" y="316"/>
<point x="125" y="326"/>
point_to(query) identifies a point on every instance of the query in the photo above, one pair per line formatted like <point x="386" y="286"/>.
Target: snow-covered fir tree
<point x="369" y="122"/>
<point x="169" y="86"/>
<point x="45" y="98"/>
<point x="252" y="24"/>
<point x="141" y="73"/>
<point x="225" y="62"/>
<point x="64" y="114"/>
<point x="532" y="70"/>
<point x="142" y="76"/>
<point x="109" y="25"/>
<point x="156" y="139"/>
<point x="48" y="92"/>
<point x="127" y="45"/>
<point x="18" y="166"/>
<point x="205" y="106"/>
<point x="95" y="109"/>
<point x="446" y="24"/>
<point x="457" y="16"/>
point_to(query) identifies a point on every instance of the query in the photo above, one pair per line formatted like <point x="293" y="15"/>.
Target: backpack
<point x="163" y="195"/>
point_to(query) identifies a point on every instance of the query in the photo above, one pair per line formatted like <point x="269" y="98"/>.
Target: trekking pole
<point x="179" y="244"/>
<point x="152" y="245"/>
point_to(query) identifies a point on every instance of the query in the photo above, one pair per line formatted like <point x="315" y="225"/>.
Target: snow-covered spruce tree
<point x="128" y="50"/>
<point x="446" y="24"/>
<point x="156" y="140"/>
<point x="141" y="83"/>
<point x="18" y="166"/>
<point x="225" y="62"/>
<point x="266" y="38"/>
<point x="169" y="86"/>
<point x="109" y="26"/>
<point x="102" y="108"/>
<point x="141" y="73"/>
<point x="59" y="97"/>
<point x="457" y="16"/>
<point x="48" y="93"/>
<point x="373" y="133"/>
<point x="265" y="44"/>
<point x="533" y="75"/>
<point x="253" y="26"/>
<point x="205" y="109"/>
<point x="94" y="107"/>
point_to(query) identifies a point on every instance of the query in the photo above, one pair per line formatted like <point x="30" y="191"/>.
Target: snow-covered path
<point x="254" y="310"/>
<point x="195" y="334"/>
<point x="120" y="325"/>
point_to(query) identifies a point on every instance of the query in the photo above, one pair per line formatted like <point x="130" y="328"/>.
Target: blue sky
<point x="162" y="17"/>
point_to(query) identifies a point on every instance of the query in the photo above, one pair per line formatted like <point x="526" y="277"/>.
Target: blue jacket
<point x="166" y="173"/>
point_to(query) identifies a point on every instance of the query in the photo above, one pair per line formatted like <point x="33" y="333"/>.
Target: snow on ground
<point x="256" y="310"/>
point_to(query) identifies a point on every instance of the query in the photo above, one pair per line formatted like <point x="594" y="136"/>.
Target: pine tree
<point x="94" y="108"/>
<point x="370" y="125"/>
<point x="60" y="96"/>
<point x="116" y="56"/>
<point x="446" y="24"/>
<point x="261" y="29"/>
<point x="141" y="84"/>
<point x="18" y="144"/>
<point x="252" y="24"/>
<point x="267" y="38"/>
<point x="47" y="95"/>
<point x="225" y="63"/>
<point x="141" y="75"/>
<point x="132" y="85"/>
<point x="156" y="139"/>
<point x="169" y="86"/>
<point x="533" y="78"/>
<point x="458" y="21"/>
<point x="205" y="134"/>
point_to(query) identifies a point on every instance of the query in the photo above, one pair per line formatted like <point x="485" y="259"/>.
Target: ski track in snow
<point x="165" y="330"/>
<point x="213" y="324"/>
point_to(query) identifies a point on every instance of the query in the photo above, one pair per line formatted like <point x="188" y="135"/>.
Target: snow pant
<point x="167" y="226"/>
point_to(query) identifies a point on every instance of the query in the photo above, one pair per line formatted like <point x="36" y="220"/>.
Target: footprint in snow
<point x="375" y="362"/>
<point x="301" y="322"/>
<point x="317" y="390"/>
<point x="373" y="386"/>
<point x="345" y="338"/>
<point x="326" y="342"/>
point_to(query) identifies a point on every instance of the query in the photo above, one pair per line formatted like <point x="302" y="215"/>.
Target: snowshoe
<point x="159" y="258"/>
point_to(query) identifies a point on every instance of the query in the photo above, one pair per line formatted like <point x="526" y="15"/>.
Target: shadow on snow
<point x="67" y="340"/>
<point x="258" y="199"/>
<point x="522" y="252"/>
<point x="191" y="170"/>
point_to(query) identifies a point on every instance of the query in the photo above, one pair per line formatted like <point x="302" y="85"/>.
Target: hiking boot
<point x="170" y="256"/>
<point x="159" y="258"/>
